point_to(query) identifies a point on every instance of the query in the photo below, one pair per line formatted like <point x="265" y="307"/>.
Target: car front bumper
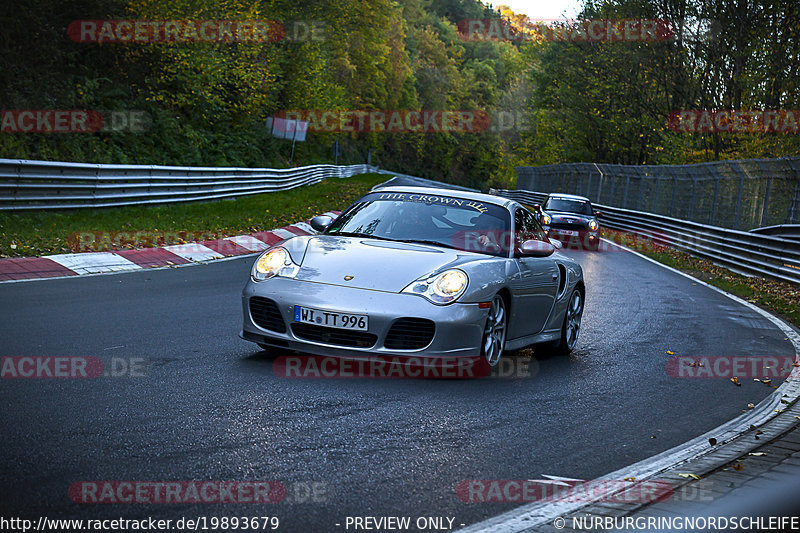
<point x="458" y="327"/>
<point x="581" y="239"/>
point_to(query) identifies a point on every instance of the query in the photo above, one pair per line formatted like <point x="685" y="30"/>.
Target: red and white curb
<point x="90" y="263"/>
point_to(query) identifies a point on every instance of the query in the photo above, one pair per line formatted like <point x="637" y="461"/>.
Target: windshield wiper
<point x="414" y="241"/>
<point x="357" y="234"/>
<point x="433" y="243"/>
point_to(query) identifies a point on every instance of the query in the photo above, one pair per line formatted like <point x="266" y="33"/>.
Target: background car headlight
<point x="592" y="225"/>
<point x="443" y="288"/>
<point x="275" y="262"/>
<point x="546" y="220"/>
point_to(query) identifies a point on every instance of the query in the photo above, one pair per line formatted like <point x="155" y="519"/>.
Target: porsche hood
<point x="367" y="263"/>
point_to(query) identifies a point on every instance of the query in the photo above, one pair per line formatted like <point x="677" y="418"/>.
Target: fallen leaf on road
<point x="712" y="441"/>
<point x="750" y="406"/>
<point x="629" y="479"/>
<point x="756" y="454"/>
<point x="668" y="351"/>
<point x="737" y="465"/>
<point x="693" y="476"/>
<point x="735" y="381"/>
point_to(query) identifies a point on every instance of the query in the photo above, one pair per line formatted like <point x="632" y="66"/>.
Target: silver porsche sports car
<point x="412" y="271"/>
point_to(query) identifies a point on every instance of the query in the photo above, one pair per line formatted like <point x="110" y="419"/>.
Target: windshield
<point x="568" y="206"/>
<point x="431" y="219"/>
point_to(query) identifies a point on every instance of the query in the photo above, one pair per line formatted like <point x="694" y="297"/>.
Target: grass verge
<point x="45" y="232"/>
<point x="778" y="297"/>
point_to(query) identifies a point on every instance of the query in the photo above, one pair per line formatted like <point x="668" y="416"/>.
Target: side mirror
<point x="534" y="248"/>
<point x="321" y="222"/>
<point x="598" y="214"/>
<point x="556" y="244"/>
<point x="537" y="207"/>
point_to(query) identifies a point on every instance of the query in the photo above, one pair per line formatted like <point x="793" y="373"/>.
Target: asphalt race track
<point x="210" y="407"/>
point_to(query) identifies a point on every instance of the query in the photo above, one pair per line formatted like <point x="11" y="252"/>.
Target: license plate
<point x="331" y="319"/>
<point x="568" y="232"/>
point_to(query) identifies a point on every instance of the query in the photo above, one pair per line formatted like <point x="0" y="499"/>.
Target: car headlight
<point x="443" y="288"/>
<point x="275" y="262"/>
<point x="546" y="220"/>
<point x="593" y="225"/>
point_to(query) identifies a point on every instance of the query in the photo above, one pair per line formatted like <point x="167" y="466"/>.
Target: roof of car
<point x="568" y="196"/>
<point x="468" y="195"/>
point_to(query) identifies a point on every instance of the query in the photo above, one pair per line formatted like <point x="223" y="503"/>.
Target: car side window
<point x="527" y="227"/>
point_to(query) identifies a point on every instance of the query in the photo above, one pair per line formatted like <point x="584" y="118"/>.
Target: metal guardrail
<point x="785" y="231"/>
<point x="737" y="194"/>
<point x="745" y="252"/>
<point x="26" y="184"/>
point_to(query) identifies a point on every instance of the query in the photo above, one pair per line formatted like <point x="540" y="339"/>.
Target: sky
<point x="541" y="9"/>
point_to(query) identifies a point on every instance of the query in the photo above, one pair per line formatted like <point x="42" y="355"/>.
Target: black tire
<point x="571" y="326"/>
<point x="494" y="334"/>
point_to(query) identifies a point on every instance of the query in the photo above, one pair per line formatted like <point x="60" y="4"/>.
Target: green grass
<point x="25" y="234"/>
<point x="778" y="297"/>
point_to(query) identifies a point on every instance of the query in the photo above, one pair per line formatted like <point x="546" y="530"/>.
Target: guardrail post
<point x="766" y="202"/>
<point x="642" y="178"/>
<point x="613" y="188"/>
<point x="793" y="213"/>
<point x="94" y="189"/>
<point x="655" y="195"/>
<point x="713" y="210"/>
<point x="588" y="185"/>
<point x="17" y="188"/>
<point x="599" y="185"/>
<point x="674" y="192"/>
<point x="738" y="209"/>
<point x="691" y="200"/>
<point x="625" y="194"/>
<point x="768" y="172"/>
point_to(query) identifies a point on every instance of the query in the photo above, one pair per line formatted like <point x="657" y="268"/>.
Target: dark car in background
<point x="571" y="220"/>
